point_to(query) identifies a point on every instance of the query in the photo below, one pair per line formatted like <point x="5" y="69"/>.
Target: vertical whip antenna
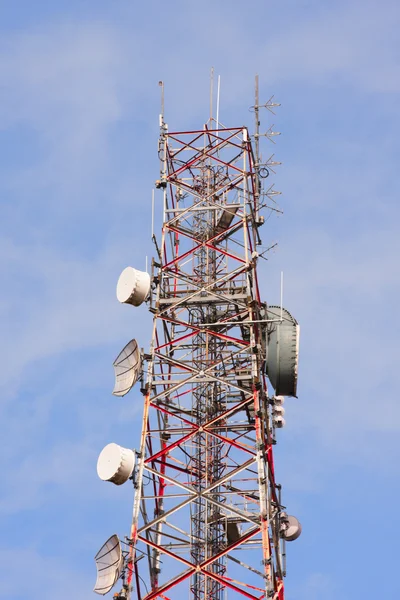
<point x="152" y="213"/>
<point x="257" y="146"/>
<point x="161" y="84"/>
<point x="218" y="99"/>
<point x="211" y="93"/>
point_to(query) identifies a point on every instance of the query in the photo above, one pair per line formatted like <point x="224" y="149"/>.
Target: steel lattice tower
<point x="207" y="517"/>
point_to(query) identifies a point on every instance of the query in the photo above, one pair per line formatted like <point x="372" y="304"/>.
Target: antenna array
<point x="208" y="516"/>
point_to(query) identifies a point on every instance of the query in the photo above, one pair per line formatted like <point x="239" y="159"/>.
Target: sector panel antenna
<point x="109" y="564"/>
<point x="127" y="367"/>
<point x="133" y="286"/>
<point x="283" y="351"/>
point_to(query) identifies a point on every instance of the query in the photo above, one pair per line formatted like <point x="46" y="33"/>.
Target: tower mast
<point x="207" y="517"/>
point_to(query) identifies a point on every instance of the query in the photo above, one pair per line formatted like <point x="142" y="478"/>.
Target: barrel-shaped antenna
<point x="283" y="351"/>
<point x="133" y="286"/>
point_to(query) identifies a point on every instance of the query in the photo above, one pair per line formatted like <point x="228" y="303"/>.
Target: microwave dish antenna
<point x="109" y="564"/>
<point x="133" y="286"/>
<point x="283" y="351"/>
<point x="290" y="527"/>
<point x="115" y="464"/>
<point x="127" y="368"/>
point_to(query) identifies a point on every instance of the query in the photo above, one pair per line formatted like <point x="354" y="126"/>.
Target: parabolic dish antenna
<point x="109" y="564"/>
<point x="133" y="286"/>
<point x="126" y="368"/>
<point x="291" y="528"/>
<point x="283" y="351"/>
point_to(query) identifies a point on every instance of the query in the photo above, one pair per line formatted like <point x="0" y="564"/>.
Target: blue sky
<point x="79" y="124"/>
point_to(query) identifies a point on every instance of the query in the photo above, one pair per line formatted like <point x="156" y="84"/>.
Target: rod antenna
<point x="211" y="93"/>
<point x="257" y="144"/>
<point x="152" y="213"/>
<point x="218" y="98"/>
<point x="161" y="84"/>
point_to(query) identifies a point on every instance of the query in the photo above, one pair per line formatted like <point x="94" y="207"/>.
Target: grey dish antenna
<point x="283" y="351"/>
<point x="109" y="563"/>
<point x="290" y="527"/>
<point x="127" y="367"/>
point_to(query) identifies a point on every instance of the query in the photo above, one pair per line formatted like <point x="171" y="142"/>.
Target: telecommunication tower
<point x="208" y="519"/>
